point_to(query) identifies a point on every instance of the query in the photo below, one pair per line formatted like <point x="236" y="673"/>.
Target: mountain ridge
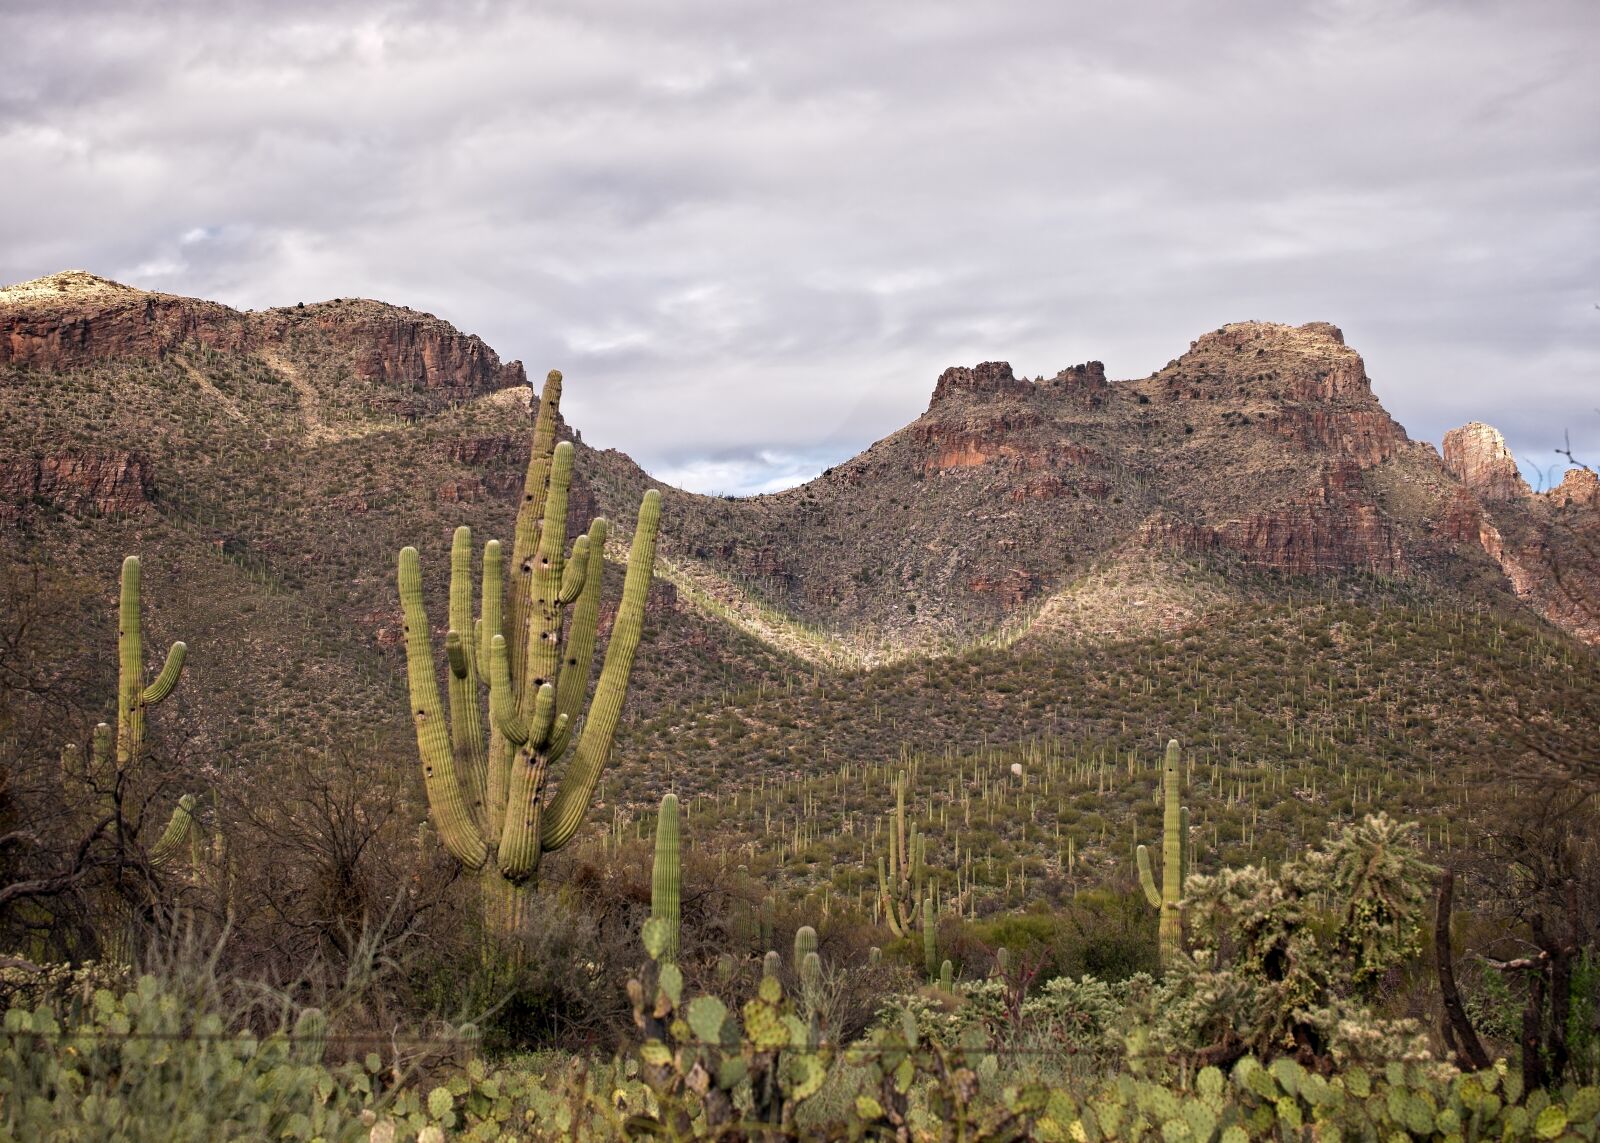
<point x="1262" y="447"/>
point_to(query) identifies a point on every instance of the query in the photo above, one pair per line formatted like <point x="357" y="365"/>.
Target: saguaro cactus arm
<point x="572" y="797"/>
<point x="1147" y="879"/>
<point x="456" y="827"/>
<point x="466" y="728"/>
<point x="175" y="835"/>
<point x="168" y="678"/>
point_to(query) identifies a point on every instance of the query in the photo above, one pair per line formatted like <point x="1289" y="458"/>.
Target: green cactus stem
<point x="900" y="883"/>
<point x="134" y="695"/>
<point x="310" y="1040"/>
<point x="811" y="976"/>
<point x="176" y="836"/>
<point x="665" y="880"/>
<point x="772" y="963"/>
<point x="805" y="941"/>
<point x="947" y="980"/>
<point x="490" y="788"/>
<point x="930" y="939"/>
<point x="1174" y="859"/>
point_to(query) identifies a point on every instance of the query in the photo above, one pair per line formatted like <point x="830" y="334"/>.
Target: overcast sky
<point x="753" y="233"/>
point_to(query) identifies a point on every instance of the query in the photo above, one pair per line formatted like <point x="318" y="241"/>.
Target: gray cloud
<point x="752" y="234"/>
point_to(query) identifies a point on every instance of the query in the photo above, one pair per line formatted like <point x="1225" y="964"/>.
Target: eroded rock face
<point x="992" y="378"/>
<point x="72" y="319"/>
<point x="102" y="483"/>
<point x="1476" y="454"/>
<point x="1339" y="527"/>
<point x="1014" y="586"/>
<point x="1580" y="487"/>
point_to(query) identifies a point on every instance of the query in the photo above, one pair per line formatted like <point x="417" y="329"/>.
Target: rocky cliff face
<point x="1547" y="545"/>
<point x="74" y="319"/>
<point x="92" y="483"/>
<point x="1476" y="454"/>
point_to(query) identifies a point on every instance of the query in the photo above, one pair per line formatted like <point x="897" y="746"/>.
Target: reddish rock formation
<point x="1012" y="587"/>
<point x="1476" y="454"/>
<point x="105" y="483"/>
<point x="476" y="452"/>
<point x="990" y="379"/>
<point x="1338" y="527"/>
<point x="72" y="319"/>
<point x="1578" y="487"/>
<point x="1367" y="436"/>
<point x="970" y="441"/>
<point x="1087" y="382"/>
<point x="468" y="491"/>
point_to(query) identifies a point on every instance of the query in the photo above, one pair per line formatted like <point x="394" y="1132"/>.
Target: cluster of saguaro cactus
<point x="900" y="883"/>
<point x="666" y="877"/>
<point x="1174" y="859"/>
<point x="487" y="793"/>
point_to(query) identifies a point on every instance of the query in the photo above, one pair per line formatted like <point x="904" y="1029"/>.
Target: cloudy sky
<point x="752" y="233"/>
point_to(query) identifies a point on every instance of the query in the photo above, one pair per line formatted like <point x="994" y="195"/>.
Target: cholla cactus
<point x="487" y="793"/>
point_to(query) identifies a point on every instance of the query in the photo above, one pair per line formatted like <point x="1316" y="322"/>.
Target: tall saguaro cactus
<point x="1174" y="858"/>
<point x="666" y="876"/>
<point x="900" y="885"/>
<point x="487" y="793"/>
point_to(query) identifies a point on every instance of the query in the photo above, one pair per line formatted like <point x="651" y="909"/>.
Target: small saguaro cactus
<point x="487" y="794"/>
<point x="947" y="976"/>
<point x="805" y="941"/>
<point x="772" y="963"/>
<point x="930" y="938"/>
<point x="134" y="696"/>
<point x="665" y="878"/>
<point x="1174" y="859"/>
<point x="900" y="884"/>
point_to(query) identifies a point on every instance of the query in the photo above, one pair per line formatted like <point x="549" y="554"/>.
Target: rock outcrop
<point x="73" y="319"/>
<point x="98" y="483"/>
<point x="1476" y="454"/>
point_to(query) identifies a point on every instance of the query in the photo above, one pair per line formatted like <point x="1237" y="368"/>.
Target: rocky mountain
<point x="1262" y="448"/>
<point x="269" y="465"/>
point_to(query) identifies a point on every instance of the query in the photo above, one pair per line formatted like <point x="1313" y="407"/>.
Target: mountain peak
<point x="67" y="285"/>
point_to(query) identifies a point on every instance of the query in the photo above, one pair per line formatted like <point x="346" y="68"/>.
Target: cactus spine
<point x="665" y="880"/>
<point x="487" y="794"/>
<point x="1174" y="859"/>
<point x="900" y="884"/>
